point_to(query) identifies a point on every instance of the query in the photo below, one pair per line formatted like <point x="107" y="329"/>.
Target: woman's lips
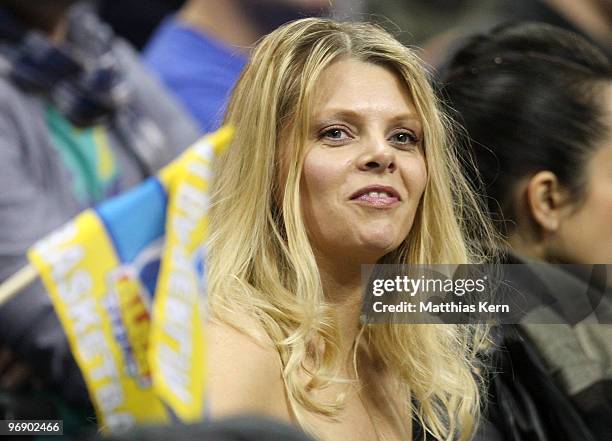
<point x="376" y="196"/>
<point x="377" y="199"/>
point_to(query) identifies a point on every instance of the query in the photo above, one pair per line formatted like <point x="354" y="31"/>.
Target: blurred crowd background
<point x="414" y="22"/>
<point x="434" y="27"/>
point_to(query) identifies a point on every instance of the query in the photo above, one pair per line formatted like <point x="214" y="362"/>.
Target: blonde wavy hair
<point x="261" y="262"/>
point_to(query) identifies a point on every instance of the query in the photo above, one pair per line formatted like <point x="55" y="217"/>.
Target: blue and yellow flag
<point x="127" y="282"/>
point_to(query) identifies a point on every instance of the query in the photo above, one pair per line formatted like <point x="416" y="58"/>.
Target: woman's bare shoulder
<point x="244" y="371"/>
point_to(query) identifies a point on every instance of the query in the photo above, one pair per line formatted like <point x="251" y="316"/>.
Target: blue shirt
<point x="198" y="69"/>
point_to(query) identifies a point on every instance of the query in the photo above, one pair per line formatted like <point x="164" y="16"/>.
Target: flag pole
<point x="17" y="282"/>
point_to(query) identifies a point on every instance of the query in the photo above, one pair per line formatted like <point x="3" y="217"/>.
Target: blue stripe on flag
<point x="136" y="218"/>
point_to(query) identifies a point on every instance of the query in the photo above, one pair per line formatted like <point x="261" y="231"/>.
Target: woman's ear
<point x="544" y="199"/>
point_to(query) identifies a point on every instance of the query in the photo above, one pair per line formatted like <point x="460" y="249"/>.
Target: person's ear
<point x="544" y="199"/>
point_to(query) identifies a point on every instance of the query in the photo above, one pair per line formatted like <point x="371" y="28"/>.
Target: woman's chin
<point x="366" y="248"/>
<point x="385" y="240"/>
<point x="373" y="248"/>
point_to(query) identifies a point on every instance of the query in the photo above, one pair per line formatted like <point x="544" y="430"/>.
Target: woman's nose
<point x="378" y="156"/>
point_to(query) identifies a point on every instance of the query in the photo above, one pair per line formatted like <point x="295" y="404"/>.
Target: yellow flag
<point x="127" y="282"/>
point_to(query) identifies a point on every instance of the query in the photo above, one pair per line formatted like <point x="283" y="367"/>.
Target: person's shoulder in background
<point x="200" y="70"/>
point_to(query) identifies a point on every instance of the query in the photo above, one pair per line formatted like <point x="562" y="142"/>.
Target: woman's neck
<point x="527" y="246"/>
<point x="224" y="20"/>
<point x="342" y="286"/>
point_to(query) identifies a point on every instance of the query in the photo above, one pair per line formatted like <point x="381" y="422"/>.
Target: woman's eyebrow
<point x="336" y="114"/>
<point x="356" y="115"/>
<point x="410" y="116"/>
<point x="409" y="119"/>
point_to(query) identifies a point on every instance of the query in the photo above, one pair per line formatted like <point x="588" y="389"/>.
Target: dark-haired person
<point x="536" y="103"/>
<point x="80" y="120"/>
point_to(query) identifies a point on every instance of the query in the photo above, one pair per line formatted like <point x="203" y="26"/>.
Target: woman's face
<point x="585" y="234"/>
<point x="364" y="171"/>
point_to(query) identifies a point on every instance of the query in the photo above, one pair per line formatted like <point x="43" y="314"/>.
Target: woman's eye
<point x="335" y="134"/>
<point x="404" y="138"/>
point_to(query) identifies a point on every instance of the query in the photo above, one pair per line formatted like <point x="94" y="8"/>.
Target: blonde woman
<point x="340" y="159"/>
